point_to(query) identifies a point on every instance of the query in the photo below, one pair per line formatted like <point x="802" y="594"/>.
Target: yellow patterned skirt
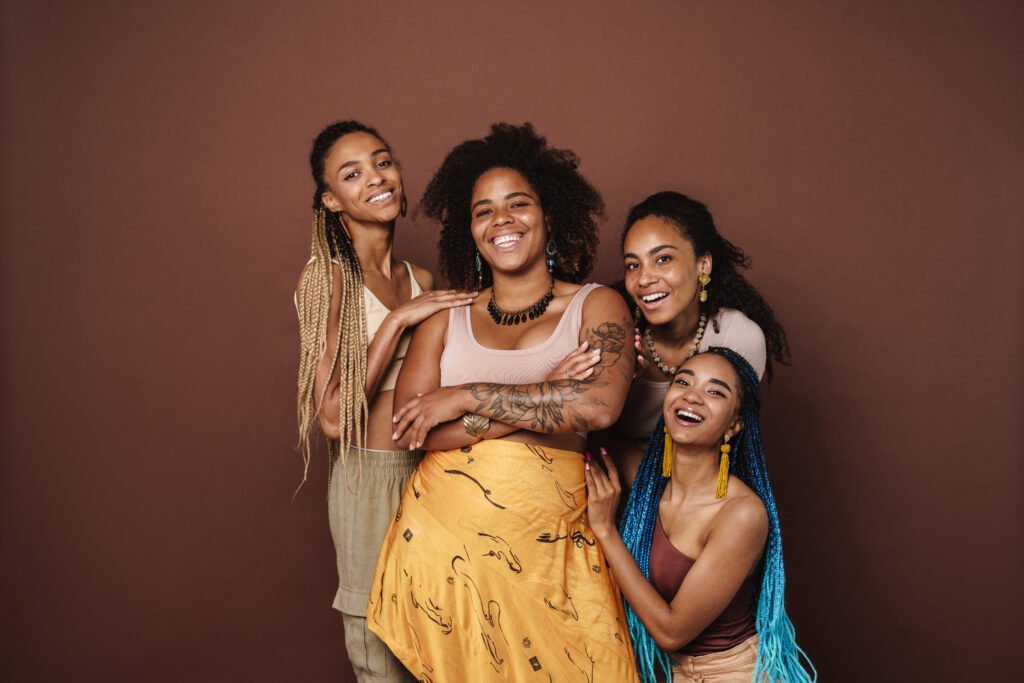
<point x="489" y="572"/>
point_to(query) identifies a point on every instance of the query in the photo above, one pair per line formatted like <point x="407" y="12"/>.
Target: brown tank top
<point x="668" y="567"/>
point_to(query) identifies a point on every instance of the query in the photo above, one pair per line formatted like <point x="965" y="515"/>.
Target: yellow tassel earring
<point x="666" y="458"/>
<point x="704" y="279"/>
<point x="723" y="470"/>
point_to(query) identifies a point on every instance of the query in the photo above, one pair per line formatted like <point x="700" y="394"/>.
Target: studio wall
<point x="155" y="208"/>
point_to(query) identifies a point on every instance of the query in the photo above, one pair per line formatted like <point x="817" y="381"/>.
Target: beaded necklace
<point x="535" y="310"/>
<point x="649" y="341"/>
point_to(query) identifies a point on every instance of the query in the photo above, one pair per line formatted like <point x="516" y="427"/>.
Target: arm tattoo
<point x="546" y="406"/>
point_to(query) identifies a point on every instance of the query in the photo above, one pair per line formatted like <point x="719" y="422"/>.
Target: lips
<point x="653" y="300"/>
<point x="507" y="241"/>
<point x="382" y="197"/>
<point x="688" y="418"/>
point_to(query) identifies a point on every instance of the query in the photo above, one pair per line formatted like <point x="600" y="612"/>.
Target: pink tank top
<point x="464" y="359"/>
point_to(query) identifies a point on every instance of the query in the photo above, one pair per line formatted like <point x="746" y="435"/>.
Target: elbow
<point x="329" y="428"/>
<point x="669" y="643"/>
<point x="602" y="418"/>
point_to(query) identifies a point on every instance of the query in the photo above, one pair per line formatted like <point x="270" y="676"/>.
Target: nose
<point x="644" y="277"/>
<point x="373" y="176"/>
<point x="500" y="218"/>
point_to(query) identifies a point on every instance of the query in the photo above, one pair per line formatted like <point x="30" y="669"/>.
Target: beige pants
<point x="735" y="665"/>
<point x="362" y="499"/>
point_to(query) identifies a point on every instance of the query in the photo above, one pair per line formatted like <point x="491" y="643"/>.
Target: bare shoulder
<point x="743" y="511"/>
<point x="606" y="302"/>
<point x="307" y="271"/>
<point x="423" y="276"/>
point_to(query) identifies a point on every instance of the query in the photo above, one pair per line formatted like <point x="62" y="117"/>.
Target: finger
<point x="609" y="464"/>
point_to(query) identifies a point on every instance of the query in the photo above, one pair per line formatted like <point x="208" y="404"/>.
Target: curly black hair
<point x="729" y="288"/>
<point x="570" y="203"/>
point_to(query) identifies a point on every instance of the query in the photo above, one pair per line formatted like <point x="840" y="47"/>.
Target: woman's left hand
<point x="603" y="491"/>
<point x="417" y="417"/>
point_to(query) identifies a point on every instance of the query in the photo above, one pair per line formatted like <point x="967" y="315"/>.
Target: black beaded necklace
<point x="535" y="310"/>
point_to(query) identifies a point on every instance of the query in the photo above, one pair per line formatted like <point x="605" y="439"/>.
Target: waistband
<point x="505" y="446"/>
<point x="726" y="660"/>
<point x="384" y="462"/>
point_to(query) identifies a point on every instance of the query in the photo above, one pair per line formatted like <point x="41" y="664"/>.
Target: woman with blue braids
<point x="699" y="533"/>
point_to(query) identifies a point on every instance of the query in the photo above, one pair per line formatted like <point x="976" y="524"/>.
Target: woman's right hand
<point x="578" y="365"/>
<point x="421" y="307"/>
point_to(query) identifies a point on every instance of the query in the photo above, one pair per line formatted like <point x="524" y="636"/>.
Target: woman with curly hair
<point x="489" y="571"/>
<point x="684" y="280"/>
<point x="698" y="552"/>
<point x="357" y="306"/>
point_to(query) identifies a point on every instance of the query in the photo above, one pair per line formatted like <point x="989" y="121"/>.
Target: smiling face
<point x="363" y="181"/>
<point x="702" y="404"/>
<point x="662" y="269"/>
<point x="507" y="221"/>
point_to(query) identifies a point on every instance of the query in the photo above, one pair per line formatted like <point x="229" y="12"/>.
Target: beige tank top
<point x="375" y="314"/>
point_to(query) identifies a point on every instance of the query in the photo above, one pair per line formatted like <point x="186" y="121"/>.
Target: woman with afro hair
<point x="489" y="571"/>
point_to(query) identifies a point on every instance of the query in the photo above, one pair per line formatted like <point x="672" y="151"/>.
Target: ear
<point x="330" y="201"/>
<point x="735" y="429"/>
<point x="704" y="264"/>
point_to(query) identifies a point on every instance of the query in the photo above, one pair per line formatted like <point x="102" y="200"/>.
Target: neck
<point x="694" y="473"/>
<point x="373" y="243"/>
<point x="517" y="290"/>
<point x="681" y="328"/>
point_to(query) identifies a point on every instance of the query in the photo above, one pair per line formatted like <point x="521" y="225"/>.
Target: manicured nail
<point x="394" y="436"/>
<point x="639" y="357"/>
<point x="586" y="465"/>
<point x="586" y="456"/>
<point x="603" y="451"/>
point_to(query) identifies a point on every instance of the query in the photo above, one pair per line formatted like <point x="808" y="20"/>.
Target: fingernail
<point x="394" y="436"/>
<point x="603" y="451"/>
<point x="586" y="456"/>
<point x="586" y="465"/>
<point x="639" y="357"/>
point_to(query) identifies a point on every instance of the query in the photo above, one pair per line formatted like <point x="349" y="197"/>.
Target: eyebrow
<point x="511" y="195"/>
<point x="712" y="380"/>
<point x="655" y="250"/>
<point x="382" y="150"/>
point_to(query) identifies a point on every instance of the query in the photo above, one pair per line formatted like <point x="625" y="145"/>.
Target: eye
<point x="482" y="212"/>
<point x="716" y="392"/>
<point x="632" y="266"/>
<point x="350" y="176"/>
<point x="681" y="381"/>
<point x="518" y="205"/>
<point x="384" y="163"/>
<point x="664" y="258"/>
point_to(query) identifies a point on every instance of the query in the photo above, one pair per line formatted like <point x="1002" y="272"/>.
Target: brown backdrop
<point x="155" y="211"/>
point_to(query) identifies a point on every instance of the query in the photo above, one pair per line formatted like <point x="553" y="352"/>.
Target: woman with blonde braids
<point x="357" y="306"/>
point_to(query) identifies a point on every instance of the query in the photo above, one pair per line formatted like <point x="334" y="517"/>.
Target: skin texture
<point x="358" y="168"/>
<point x="548" y="413"/>
<point x="726" y="537"/>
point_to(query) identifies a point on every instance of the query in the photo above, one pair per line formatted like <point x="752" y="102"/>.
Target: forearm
<point x="553" y="407"/>
<point x="381" y="351"/>
<point x="668" y="627"/>
<point x="453" y="434"/>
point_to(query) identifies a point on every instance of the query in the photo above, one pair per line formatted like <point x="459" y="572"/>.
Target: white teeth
<point x="501" y="240"/>
<point x="383" y="196"/>
<point x="687" y="414"/>
<point x="648" y="298"/>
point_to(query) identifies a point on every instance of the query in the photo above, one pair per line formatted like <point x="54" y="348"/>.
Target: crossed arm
<point x="430" y="416"/>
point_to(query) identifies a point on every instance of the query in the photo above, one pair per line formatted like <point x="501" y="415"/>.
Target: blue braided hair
<point x="778" y="655"/>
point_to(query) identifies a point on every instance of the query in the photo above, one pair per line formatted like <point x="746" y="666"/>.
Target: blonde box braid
<point x="348" y="359"/>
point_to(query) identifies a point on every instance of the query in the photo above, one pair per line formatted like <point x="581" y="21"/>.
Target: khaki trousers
<point x="362" y="499"/>
<point x="735" y="665"/>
